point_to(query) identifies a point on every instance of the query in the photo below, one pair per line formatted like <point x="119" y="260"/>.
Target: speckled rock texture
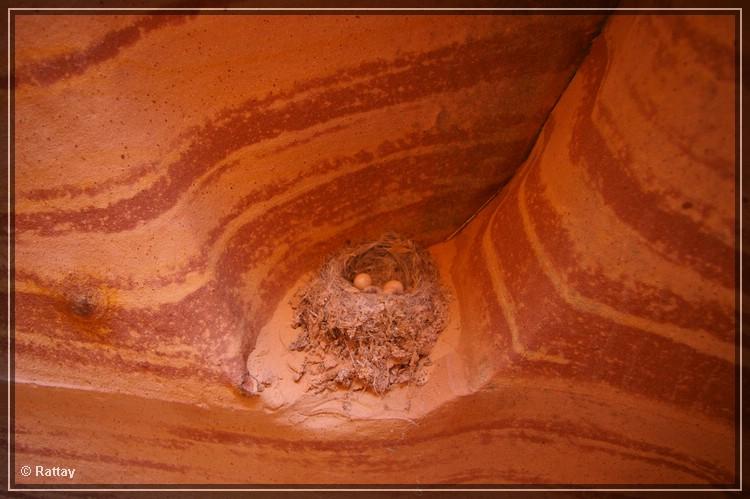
<point x="606" y="267"/>
<point x="175" y="176"/>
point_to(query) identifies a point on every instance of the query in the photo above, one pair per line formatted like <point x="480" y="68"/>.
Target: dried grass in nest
<point x="368" y="339"/>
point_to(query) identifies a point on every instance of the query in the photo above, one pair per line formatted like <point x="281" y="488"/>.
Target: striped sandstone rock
<point x="176" y="177"/>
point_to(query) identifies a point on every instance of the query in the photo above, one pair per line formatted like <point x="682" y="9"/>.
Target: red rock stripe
<point x="133" y="174"/>
<point x="708" y="50"/>
<point x="453" y="155"/>
<point x="230" y="117"/>
<point x="645" y="301"/>
<point x="74" y="456"/>
<point x="49" y="71"/>
<point x="532" y="430"/>
<point x="434" y="72"/>
<point x="637" y="362"/>
<point x="675" y="236"/>
<point x="646" y="106"/>
<point x="74" y="357"/>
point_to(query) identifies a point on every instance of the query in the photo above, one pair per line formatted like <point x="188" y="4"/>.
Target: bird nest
<point x="371" y="338"/>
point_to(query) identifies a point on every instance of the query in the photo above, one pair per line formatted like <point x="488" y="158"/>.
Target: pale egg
<point x="393" y="287"/>
<point x="362" y="280"/>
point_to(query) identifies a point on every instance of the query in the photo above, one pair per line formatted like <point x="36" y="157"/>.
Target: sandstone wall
<point x="175" y="176"/>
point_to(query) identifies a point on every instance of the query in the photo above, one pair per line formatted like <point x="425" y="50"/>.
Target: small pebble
<point x="362" y="280"/>
<point x="393" y="287"/>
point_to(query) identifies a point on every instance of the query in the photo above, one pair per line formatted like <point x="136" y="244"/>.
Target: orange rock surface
<point x="177" y="177"/>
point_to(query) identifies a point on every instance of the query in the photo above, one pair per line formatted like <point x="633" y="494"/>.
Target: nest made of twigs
<point x="367" y="339"/>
